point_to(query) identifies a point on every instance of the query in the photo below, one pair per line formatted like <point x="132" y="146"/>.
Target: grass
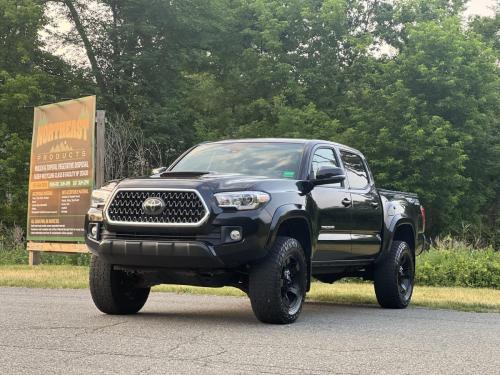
<point x="456" y="298"/>
<point x="44" y="276"/>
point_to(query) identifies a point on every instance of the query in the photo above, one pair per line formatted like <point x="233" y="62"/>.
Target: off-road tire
<point x="113" y="291"/>
<point x="272" y="289"/>
<point x="389" y="274"/>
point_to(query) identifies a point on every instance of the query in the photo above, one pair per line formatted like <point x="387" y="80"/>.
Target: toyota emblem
<point x="153" y="206"/>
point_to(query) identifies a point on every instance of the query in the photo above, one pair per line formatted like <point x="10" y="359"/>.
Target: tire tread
<point x="385" y="283"/>
<point x="105" y="292"/>
<point x="263" y="284"/>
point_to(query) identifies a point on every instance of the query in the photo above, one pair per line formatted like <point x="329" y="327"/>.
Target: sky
<point x="480" y="7"/>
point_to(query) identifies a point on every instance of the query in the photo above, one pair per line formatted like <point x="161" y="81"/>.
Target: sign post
<point x="61" y="176"/>
<point x="99" y="147"/>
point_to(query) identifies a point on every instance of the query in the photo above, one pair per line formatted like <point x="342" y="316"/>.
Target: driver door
<point x="333" y="207"/>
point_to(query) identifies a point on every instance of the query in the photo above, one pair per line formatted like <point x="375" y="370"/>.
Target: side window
<point x="355" y="170"/>
<point x="322" y="157"/>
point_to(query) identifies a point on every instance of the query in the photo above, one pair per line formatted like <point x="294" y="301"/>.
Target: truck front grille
<point x="181" y="208"/>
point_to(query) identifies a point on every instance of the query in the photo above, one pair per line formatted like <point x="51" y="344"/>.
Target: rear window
<point x="355" y="169"/>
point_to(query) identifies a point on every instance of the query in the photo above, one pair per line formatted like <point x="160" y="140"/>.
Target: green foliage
<point x="13" y="256"/>
<point x="66" y="259"/>
<point x="426" y="118"/>
<point x="143" y="51"/>
<point x="20" y="256"/>
<point x="453" y="263"/>
<point x="426" y="114"/>
<point x="28" y="77"/>
<point x="18" y="27"/>
<point x="13" y="250"/>
<point x="488" y="28"/>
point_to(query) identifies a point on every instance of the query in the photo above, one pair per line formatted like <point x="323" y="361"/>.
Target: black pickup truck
<point x="262" y="215"/>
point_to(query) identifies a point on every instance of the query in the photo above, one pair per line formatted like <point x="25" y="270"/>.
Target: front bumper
<point x="178" y="254"/>
<point x="207" y="247"/>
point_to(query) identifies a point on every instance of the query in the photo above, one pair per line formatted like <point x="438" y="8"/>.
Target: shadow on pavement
<point x="226" y="316"/>
<point x="238" y="315"/>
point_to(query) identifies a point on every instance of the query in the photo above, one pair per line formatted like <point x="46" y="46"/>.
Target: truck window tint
<point x="324" y="157"/>
<point x="355" y="170"/>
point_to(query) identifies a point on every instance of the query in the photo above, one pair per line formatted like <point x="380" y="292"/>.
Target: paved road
<point x="60" y="332"/>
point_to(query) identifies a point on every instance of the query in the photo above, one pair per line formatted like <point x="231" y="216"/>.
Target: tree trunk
<point x="88" y="46"/>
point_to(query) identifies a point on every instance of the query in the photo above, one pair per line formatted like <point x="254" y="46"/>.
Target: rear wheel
<point x="277" y="286"/>
<point x="115" y="292"/>
<point x="394" y="277"/>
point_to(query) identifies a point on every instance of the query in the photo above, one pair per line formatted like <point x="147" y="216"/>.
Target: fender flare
<point x="284" y="213"/>
<point x="389" y="231"/>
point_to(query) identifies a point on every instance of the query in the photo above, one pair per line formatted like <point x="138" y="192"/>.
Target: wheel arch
<point x="291" y="222"/>
<point x="401" y="229"/>
<point x="405" y="232"/>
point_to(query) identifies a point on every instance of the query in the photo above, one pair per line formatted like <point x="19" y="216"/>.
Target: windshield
<point x="274" y="160"/>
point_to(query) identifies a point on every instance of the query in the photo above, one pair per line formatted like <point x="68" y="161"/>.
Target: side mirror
<point x="159" y="170"/>
<point x="328" y="175"/>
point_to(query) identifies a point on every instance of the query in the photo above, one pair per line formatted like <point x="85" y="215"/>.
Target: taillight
<point x="422" y="212"/>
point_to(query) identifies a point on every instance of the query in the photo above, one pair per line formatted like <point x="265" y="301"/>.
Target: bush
<point x="13" y="250"/>
<point x="13" y="256"/>
<point x="20" y="256"/>
<point x="66" y="259"/>
<point x="455" y="263"/>
<point x="12" y="245"/>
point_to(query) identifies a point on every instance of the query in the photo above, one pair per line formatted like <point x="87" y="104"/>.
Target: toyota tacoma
<point x="267" y="216"/>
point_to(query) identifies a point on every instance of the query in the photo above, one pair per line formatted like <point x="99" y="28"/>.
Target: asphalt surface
<point x="60" y="332"/>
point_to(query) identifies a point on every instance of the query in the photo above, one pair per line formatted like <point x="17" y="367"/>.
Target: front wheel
<point x="114" y="292"/>
<point x="394" y="277"/>
<point x="277" y="286"/>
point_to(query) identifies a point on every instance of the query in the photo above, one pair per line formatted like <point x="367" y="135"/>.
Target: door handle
<point x="346" y="202"/>
<point x="374" y="204"/>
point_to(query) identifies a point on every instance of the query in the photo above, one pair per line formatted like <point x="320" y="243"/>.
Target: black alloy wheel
<point x="277" y="285"/>
<point x="405" y="276"/>
<point x="394" y="277"/>
<point x="292" y="288"/>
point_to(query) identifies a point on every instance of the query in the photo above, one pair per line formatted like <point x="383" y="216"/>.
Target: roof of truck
<point x="283" y="140"/>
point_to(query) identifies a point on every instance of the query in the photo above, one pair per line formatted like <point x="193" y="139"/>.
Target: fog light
<point x="94" y="231"/>
<point x="235" y="235"/>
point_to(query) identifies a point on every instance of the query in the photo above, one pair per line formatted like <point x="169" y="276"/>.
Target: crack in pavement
<point x="36" y="328"/>
<point x="100" y="328"/>
<point x="201" y="359"/>
<point x="190" y="340"/>
<point x="87" y="329"/>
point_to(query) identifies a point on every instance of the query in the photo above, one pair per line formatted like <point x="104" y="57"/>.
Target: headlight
<point x="242" y="200"/>
<point x="99" y="197"/>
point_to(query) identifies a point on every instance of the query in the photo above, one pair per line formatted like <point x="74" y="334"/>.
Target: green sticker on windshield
<point x="288" y="174"/>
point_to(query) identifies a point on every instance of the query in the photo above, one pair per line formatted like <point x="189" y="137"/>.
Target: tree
<point x="426" y="117"/>
<point x="138" y="53"/>
<point x="28" y="77"/>
<point x="178" y="72"/>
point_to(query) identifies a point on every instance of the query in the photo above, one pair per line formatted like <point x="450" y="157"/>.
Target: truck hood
<point x="203" y="182"/>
